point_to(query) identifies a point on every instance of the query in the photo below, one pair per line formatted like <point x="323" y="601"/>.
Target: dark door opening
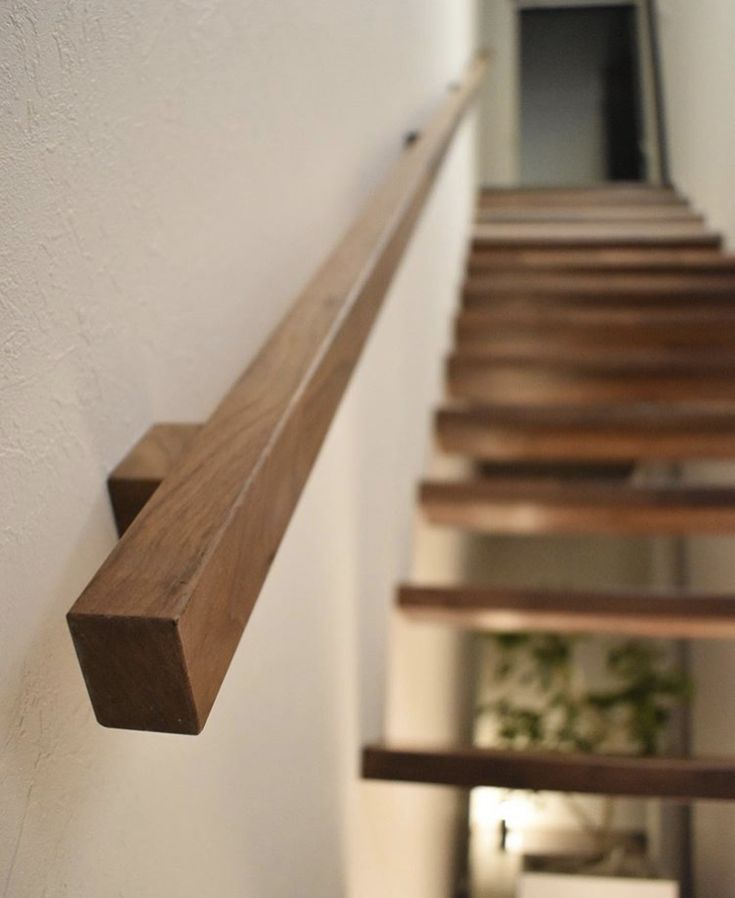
<point x="580" y="96"/>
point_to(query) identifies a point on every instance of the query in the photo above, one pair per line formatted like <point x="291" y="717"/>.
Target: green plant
<point x="538" y="697"/>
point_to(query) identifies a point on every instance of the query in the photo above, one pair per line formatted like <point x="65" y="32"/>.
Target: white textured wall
<point x="171" y="175"/>
<point x="699" y="79"/>
<point x="499" y="115"/>
<point x="699" y="76"/>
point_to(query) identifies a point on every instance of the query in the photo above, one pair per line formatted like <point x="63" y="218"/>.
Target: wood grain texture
<point x="140" y="473"/>
<point x="508" y="610"/>
<point x="589" y="327"/>
<point x="615" y="356"/>
<point x="648" y="259"/>
<point x="685" y="779"/>
<point x="157" y="627"/>
<point x="603" y="236"/>
<point x="626" y="433"/>
<point x="555" y="213"/>
<point x="546" y="505"/>
<point x="607" y="194"/>
<point x="534" y="383"/>
<point x="623" y="287"/>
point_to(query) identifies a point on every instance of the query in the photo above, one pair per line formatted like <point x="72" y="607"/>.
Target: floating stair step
<point x="511" y="302"/>
<point x="596" y="286"/>
<point x="578" y="196"/>
<point x="603" y="260"/>
<point x="590" y="327"/>
<point x="508" y="610"/>
<point x="547" y="505"/>
<point x="589" y="231"/>
<point x="587" y="434"/>
<point x="538" y="351"/>
<point x="634" y="361"/>
<point x="685" y="779"/>
<point x="481" y="379"/>
<point x="619" y="212"/>
<point x="672" y="235"/>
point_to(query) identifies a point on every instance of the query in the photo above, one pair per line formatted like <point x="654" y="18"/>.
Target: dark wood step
<point x="607" y="213"/>
<point x="685" y="779"/>
<point x="648" y="259"/>
<point x="511" y="302"/>
<point x="595" y="286"/>
<point x="615" y="356"/>
<point x="578" y="196"/>
<point x="634" y="362"/>
<point x="590" y="327"/>
<point x="547" y="505"/>
<point x="507" y="610"/>
<point x="659" y="234"/>
<point x="483" y="380"/>
<point x="587" y="434"/>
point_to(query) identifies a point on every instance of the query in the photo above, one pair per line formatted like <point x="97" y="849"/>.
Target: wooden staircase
<point x="597" y="329"/>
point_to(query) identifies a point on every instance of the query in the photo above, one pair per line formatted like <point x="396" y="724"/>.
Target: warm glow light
<point x="514" y="842"/>
<point x="489" y="806"/>
<point x="485" y="804"/>
<point x="517" y="811"/>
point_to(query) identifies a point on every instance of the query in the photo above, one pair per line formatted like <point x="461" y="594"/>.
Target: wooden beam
<point x="545" y="505"/>
<point x="156" y="629"/>
<point x="683" y="779"/>
<point x="585" y="434"/>
<point x="509" y="610"/>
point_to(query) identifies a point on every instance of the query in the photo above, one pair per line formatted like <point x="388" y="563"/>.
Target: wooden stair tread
<point x="510" y="238"/>
<point x="547" y="313"/>
<point x="587" y="231"/>
<point x="633" y="364"/>
<point x="579" y="196"/>
<point x="587" y="433"/>
<point x="547" y="505"/>
<point x="467" y="767"/>
<point x="616" y="212"/>
<point x="483" y="380"/>
<point x="590" y="327"/>
<point x="611" y="357"/>
<point x="646" y="259"/>
<point x="558" y="342"/>
<point x="505" y="609"/>
<point x="596" y="285"/>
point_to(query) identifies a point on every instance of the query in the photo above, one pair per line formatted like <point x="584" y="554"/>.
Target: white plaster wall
<point x="699" y="75"/>
<point x="171" y="175"/>
<point x="499" y="109"/>
<point x="699" y="79"/>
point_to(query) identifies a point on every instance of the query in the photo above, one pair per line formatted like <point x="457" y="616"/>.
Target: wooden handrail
<point x="157" y="627"/>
